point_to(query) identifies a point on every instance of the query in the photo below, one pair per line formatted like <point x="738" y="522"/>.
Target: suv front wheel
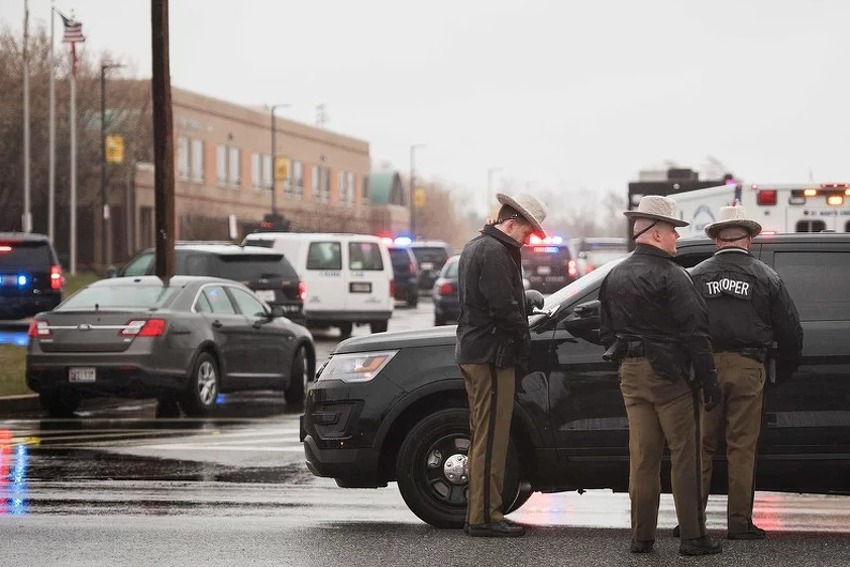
<point x="432" y="469"/>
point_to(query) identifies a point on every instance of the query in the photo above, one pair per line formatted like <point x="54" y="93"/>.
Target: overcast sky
<point x="563" y="96"/>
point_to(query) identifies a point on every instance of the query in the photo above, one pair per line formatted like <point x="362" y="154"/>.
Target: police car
<point x="392" y="407"/>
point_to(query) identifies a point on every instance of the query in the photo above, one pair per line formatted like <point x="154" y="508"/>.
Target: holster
<point x="669" y="361"/>
<point x="616" y="352"/>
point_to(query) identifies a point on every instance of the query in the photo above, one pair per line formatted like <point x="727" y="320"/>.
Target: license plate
<point x="544" y="270"/>
<point x="291" y="308"/>
<point x="360" y="287"/>
<point x="427" y="266"/>
<point x="81" y="374"/>
<point x="265" y="294"/>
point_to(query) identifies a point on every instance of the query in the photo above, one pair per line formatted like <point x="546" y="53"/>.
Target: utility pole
<point x="163" y="141"/>
<point x="105" y="248"/>
<point x="274" y="156"/>
<point x="412" y="188"/>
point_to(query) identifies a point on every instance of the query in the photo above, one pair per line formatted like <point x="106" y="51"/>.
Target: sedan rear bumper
<point x="124" y="380"/>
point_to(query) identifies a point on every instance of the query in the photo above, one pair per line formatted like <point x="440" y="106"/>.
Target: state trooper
<point x="656" y="324"/>
<point x="748" y="309"/>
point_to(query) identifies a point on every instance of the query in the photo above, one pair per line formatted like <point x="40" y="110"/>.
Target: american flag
<point x="73" y="31"/>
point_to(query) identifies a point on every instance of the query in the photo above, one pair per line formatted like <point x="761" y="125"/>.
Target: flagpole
<point x="26" y="220"/>
<point x="73" y="238"/>
<point x="51" y="167"/>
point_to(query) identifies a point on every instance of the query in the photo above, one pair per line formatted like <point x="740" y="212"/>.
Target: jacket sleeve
<point x="691" y="318"/>
<point x="606" y="325"/>
<point x="787" y="330"/>
<point x="498" y="291"/>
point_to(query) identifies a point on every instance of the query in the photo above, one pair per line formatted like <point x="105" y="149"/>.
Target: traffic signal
<point x="274" y="222"/>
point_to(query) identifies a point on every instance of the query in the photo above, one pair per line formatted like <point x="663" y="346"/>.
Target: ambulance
<point x="802" y="207"/>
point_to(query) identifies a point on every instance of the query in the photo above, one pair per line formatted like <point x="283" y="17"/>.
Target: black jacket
<point x="648" y="298"/>
<point x="492" y="301"/>
<point x="748" y="305"/>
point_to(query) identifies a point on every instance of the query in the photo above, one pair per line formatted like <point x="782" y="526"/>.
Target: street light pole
<point x="412" y="188"/>
<point x="274" y="156"/>
<point x="104" y="249"/>
<point x="490" y="173"/>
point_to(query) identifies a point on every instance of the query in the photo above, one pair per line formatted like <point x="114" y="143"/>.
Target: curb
<point x="19" y="404"/>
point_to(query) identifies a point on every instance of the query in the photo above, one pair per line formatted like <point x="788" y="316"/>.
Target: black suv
<point x="392" y="407"/>
<point x="31" y="278"/>
<point x="430" y="255"/>
<point x="267" y="272"/>
<point x="405" y="274"/>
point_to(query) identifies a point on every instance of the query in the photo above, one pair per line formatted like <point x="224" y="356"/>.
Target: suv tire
<point x="200" y="396"/>
<point x="60" y="403"/>
<point x="424" y="486"/>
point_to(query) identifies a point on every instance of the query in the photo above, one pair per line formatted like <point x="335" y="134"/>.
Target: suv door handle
<point x="217" y="324"/>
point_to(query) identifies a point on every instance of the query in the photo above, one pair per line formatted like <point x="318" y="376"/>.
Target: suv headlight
<point x="356" y="367"/>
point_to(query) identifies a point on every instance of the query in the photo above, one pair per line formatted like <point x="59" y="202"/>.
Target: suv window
<point x="25" y="254"/>
<point x="252" y="267"/>
<point x="324" y="256"/>
<point x="434" y="255"/>
<point x="817" y="281"/>
<point x="139" y="266"/>
<point x="365" y="256"/>
<point x="546" y="259"/>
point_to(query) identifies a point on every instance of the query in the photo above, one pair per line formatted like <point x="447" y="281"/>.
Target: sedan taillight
<point x="144" y="328"/>
<point x="39" y="330"/>
<point x="446" y="288"/>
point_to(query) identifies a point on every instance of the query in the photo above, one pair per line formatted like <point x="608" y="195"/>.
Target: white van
<point x="348" y="277"/>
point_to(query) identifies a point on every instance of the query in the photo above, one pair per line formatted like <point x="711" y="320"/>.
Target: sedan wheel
<point x="299" y="377"/>
<point x="201" y="395"/>
<point x="432" y="469"/>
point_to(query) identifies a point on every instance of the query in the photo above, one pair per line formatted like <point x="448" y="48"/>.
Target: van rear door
<point x="324" y="277"/>
<point x="368" y="277"/>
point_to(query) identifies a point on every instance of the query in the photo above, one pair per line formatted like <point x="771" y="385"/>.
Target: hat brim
<point x="678" y="223"/>
<point x="509" y="201"/>
<point x="751" y="226"/>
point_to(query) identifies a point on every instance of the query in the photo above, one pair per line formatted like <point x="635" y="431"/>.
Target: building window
<point x="364" y="197"/>
<point x="321" y="183"/>
<point x="295" y="185"/>
<point x="183" y="157"/>
<point x="228" y="160"/>
<point x="197" y="160"/>
<point x="261" y="171"/>
<point x="345" y="181"/>
<point x="190" y="159"/>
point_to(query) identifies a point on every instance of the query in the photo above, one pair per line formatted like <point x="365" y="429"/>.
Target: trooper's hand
<point x="711" y="394"/>
<point x="533" y="300"/>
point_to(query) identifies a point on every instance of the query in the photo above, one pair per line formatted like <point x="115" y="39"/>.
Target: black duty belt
<point x="634" y="349"/>
<point x="759" y="354"/>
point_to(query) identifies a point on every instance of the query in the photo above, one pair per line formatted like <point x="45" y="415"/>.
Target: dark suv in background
<point x="392" y="407"/>
<point x="267" y="272"/>
<point x="31" y="279"/>
<point x="405" y="274"/>
<point x="431" y="255"/>
<point x="549" y="265"/>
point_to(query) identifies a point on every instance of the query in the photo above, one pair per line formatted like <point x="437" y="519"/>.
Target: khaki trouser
<point x="491" y="402"/>
<point x="741" y="382"/>
<point x="659" y="411"/>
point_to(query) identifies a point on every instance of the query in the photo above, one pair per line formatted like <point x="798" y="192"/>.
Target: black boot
<point x="642" y="546"/>
<point x="676" y="532"/>
<point x="700" y="546"/>
<point x="496" y="529"/>
<point x="752" y="532"/>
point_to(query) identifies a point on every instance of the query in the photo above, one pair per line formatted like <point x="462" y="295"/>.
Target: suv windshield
<point x="435" y="255"/>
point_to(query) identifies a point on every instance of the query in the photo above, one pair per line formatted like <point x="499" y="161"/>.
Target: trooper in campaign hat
<point x="748" y="309"/>
<point x="493" y="343"/>
<point x="655" y="326"/>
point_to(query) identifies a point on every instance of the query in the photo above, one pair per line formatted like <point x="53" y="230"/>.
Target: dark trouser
<point x="661" y="411"/>
<point x="741" y="381"/>
<point x="491" y="402"/>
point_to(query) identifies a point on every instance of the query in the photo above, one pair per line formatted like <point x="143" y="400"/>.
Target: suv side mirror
<point x="583" y="322"/>
<point x="277" y="311"/>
